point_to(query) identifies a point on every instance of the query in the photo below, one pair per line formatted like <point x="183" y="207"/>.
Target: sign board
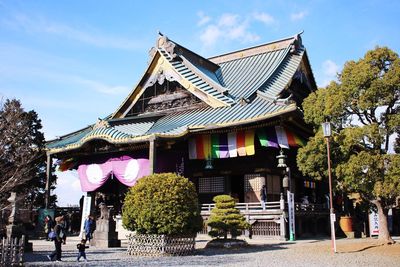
<point x="333" y="217"/>
<point x="373" y="223"/>
<point x="290" y="197"/>
<point x="85" y="213"/>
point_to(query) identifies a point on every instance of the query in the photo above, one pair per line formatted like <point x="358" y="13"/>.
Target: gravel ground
<point x="350" y="252"/>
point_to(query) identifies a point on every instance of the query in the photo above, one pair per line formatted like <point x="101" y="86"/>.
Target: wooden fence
<point x="12" y="251"/>
<point x="160" y="245"/>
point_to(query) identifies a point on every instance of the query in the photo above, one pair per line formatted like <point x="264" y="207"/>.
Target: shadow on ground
<point x="242" y="250"/>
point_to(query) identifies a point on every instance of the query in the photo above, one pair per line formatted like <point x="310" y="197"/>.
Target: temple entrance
<point x="237" y="184"/>
<point x="252" y="187"/>
<point x="112" y="193"/>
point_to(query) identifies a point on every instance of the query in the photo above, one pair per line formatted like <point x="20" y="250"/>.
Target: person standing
<point x="48" y="226"/>
<point x="81" y="249"/>
<point x="263" y="196"/>
<point x="88" y="227"/>
<point x="59" y="240"/>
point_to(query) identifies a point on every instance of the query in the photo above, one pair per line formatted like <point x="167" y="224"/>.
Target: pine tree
<point x="225" y="218"/>
<point x="22" y="157"/>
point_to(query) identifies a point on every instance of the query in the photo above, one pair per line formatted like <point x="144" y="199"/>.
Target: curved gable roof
<point x="239" y="87"/>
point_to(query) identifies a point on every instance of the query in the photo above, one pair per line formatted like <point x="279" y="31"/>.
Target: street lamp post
<point x="326" y="127"/>
<point x="286" y="184"/>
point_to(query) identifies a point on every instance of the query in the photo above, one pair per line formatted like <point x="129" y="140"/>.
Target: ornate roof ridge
<point x="194" y="76"/>
<point x="259" y="49"/>
<point x="175" y="49"/>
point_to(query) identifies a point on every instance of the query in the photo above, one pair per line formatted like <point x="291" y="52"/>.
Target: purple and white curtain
<point x="126" y="169"/>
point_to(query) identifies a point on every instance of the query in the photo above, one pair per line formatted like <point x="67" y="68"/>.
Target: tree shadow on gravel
<point x="41" y="256"/>
<point x="242" y="250"/>
<point x="361" y="249"/>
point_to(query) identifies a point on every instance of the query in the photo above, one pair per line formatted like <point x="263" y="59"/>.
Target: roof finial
<point x="160" y="33"/>
<point x="297" y="42"/>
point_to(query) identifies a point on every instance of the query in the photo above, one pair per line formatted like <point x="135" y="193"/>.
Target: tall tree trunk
<point x="384" y="235"/>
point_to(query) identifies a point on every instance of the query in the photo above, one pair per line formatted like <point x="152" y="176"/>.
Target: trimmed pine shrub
<point x="162" y="203"/>
<point x="225" y="218"/>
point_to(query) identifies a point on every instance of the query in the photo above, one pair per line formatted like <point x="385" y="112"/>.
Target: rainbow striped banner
<point x="224" y="145"/>
<point x="241" y="143"/>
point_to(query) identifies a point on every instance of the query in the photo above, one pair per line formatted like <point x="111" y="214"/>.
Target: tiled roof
<point x="177" y="124"/>
<point x="193" y="75"/>
<point x="244" y="76"/>
<point x="247" y="82"/>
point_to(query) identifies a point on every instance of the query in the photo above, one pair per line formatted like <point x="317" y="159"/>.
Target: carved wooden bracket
<point x="101" y="124"/>
<point x="160" y="76"/>
<point x="169" y="47"/>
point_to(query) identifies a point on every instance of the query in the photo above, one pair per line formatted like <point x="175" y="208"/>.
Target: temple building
<point x="223" y="122"/>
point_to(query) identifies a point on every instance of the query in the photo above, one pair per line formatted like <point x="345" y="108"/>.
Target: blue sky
<point x="75" y="61"/>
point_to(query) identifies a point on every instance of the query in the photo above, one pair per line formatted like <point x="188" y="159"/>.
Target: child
<point x="81" y="248"/>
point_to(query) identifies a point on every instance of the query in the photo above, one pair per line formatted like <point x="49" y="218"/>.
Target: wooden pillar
<point x="48" y="175"/>
<point x="152" y="153"/>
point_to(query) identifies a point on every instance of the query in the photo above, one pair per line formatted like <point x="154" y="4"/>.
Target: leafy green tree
<point x="22" y="157"/>
<point x="225" y="218"/>
<point x="163" y="203"/>
<point x="363" y="107"/>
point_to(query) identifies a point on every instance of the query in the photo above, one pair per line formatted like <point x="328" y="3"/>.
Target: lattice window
<point x="266" y="228"/>
<point x="274" y="187"/>
<point x="211" y="184"/>
<point x="273" y="184"/>
<point x="253" y="182"/>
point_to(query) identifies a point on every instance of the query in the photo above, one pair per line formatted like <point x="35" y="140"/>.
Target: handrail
<point x="269" y="206"/>
<point x="251" y="206"/>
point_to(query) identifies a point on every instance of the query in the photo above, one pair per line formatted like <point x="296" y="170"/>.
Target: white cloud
<point x="298" y="16"/>
<point x="329" y="72"/>
<point x="236" y="32"/>
<point x="264" y="18"/>
<point x="229" y="27"/>
<point x="210" y="35"/>
<point x="330" y="68"/>
<point x="39" y="24"/>
<point x="101" y="87"/>
<point x="241" y="32"/>
<point x="68" y="188"/>
<point x="228" y="20"/>
<point x="203" y="18"/>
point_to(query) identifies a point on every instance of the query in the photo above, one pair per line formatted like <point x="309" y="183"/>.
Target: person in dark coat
<point x="81" y="250"/>
<point x="59" y="239"/>
<point x="263" y="196"/>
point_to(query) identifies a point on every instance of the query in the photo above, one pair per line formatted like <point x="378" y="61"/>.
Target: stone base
<point x="113" y="243"/>
<point x="349" y="234"/>
<point x="105" y="235"/>
<point x="97" y="235"/>
<point x="105" y="240"/>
